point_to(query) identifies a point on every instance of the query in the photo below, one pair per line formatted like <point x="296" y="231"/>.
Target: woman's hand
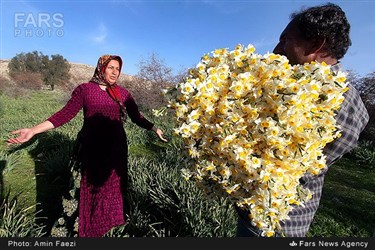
<point x="159" y="133"/>
<point x="24" y="135"/>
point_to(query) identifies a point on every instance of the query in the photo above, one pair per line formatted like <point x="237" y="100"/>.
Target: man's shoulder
<point x="353" y="107"/>
<point x="352" y="94"/>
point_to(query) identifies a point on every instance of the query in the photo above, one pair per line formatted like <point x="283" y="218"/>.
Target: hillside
<point x="79" y="72"/>
<point x="142" y="91"/>
<point x="82" y="73"/>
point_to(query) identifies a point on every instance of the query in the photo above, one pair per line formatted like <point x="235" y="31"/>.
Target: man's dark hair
<point x="325" y="22"/>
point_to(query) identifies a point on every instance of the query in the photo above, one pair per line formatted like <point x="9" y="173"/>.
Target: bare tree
<point x="366" y="88"/>
<point x="147" y="85"/>
<point x="154" y="71"/>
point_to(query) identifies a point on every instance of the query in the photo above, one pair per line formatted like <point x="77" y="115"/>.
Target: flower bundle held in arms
<point x="253" y="125"/>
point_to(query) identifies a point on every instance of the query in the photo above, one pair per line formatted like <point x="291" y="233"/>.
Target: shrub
<point x="28" y="80"/>
<point x="365" y="153"/>
<point x="369" y="131"/>
<point x="5" y="84"/>
<point x="9" y="88"/>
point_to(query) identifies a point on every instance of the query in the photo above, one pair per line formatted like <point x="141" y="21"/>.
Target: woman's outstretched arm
<point x="25" y="134"/>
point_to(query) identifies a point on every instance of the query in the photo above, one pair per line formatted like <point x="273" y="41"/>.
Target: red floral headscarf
<point x="98" y="77"/>
<point x="101" y="66"/>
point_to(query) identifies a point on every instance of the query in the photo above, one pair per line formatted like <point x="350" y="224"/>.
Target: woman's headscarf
<point x="98" y="77"/>
<point x="101" y="66"/>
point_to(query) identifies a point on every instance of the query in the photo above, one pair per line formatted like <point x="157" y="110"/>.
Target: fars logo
<point x="38" y="24"/>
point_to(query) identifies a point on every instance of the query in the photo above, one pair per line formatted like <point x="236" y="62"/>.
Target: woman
<point x="101" y="175"/>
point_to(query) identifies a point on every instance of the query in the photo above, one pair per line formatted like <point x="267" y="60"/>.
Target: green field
<point x="161" y="202"/>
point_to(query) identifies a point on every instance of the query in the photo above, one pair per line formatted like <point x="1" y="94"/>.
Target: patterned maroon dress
<point x="103" y="155"/>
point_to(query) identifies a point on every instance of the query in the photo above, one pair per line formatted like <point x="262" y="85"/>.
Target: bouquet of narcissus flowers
<point x="253" y="125"/>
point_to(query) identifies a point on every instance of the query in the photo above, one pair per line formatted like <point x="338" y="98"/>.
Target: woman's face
<point x="112" y="72"/>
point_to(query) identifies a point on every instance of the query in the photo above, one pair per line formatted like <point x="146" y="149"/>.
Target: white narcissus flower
<point x="253" y="125"/>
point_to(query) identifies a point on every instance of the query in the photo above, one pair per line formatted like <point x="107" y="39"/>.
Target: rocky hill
<point x="79" y="72"/>
<point x="4" y="68"/>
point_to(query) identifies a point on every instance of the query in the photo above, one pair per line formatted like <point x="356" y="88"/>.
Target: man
<point x="317" y="34"/>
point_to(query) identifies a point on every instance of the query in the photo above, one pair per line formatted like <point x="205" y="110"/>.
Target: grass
<point x="161" y="202"/>
<point x="348" y="200"/>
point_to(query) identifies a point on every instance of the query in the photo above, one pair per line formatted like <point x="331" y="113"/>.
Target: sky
<point x="179" y="32"/>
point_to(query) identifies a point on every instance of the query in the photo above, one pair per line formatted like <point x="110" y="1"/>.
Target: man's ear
<point x="316" y="49"/>
<point x="317" y="46"/>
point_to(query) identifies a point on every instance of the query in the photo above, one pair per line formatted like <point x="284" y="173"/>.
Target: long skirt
<point x="95" y="202"/>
